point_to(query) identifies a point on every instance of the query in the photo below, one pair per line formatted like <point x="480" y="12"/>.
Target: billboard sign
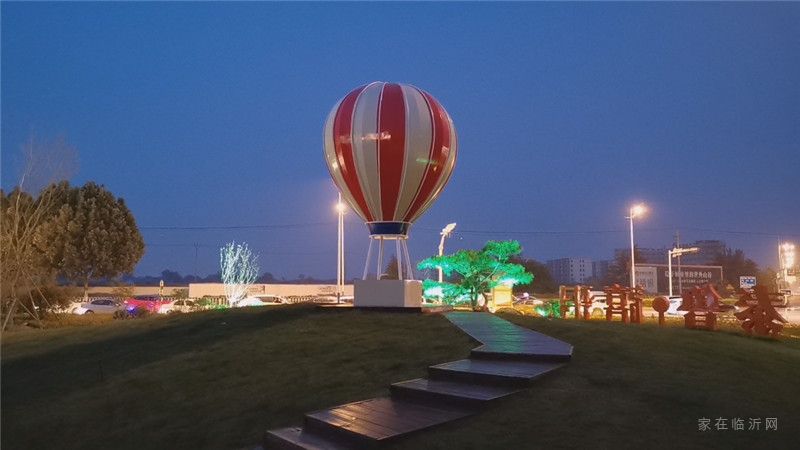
<point x="690" y="276"/>
<point x="747" y="281"/>
<point x="647" y="278"/>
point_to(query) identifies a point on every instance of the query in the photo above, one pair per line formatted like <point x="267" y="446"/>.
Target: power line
<point x="266" y="252"/>
<point x="239" y="227"/>
<point x="472" y="231"/>
<point x="621" y="230"/>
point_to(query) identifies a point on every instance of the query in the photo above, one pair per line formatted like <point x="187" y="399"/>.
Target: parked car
<point x="66" y="309"/>
<point x="527" y="300"/>
<point x="98" y="306"/>
<point x="271" y="298"/>
<point x="151" y="303"/>
<point x="261" y="300"/>
<point x="178" y="306"/>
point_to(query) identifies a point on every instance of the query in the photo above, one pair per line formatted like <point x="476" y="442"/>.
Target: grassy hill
<point x="218" y="379"/>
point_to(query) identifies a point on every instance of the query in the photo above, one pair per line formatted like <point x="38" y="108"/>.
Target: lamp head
<point x="638" y="210"/>
<point x="448" y="229"/>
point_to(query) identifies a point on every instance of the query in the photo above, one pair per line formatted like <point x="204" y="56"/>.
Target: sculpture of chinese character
<point x="701" y="304"/>
<point x="625" y="302"/>
<point x="760" y="316"/>
<point x="577" y="296"/>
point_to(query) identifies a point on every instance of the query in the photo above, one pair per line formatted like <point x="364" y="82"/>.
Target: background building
<point x="709" y="251"/>
<point x="600" y="271"/>
<point x="570" y="270"/>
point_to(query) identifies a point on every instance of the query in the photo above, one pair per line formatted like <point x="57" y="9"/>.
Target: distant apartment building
<point x="570" y="270"/>
<point x="600" y="271"/>
<point x="708" y="252"/>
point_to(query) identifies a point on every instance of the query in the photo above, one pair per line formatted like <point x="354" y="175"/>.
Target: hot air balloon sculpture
<point x="390" y="149"/>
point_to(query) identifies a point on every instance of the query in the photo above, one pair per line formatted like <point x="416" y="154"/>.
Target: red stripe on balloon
<point x="391" y="147"/>
<point x="343" y="143"/>
<point x="440" y="150"/>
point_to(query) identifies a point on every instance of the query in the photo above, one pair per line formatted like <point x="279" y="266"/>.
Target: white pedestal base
<point x="387" y="294"/>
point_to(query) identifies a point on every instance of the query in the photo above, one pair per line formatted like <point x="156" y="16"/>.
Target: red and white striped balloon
<point x="390" y="149"/>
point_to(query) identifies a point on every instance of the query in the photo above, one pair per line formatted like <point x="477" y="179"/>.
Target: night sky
<point x="210" y="115"/>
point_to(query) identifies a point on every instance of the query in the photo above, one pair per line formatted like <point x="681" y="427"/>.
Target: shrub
<point x="133" y="313"/>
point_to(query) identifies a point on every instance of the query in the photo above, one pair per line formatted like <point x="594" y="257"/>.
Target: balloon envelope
<point x="390" y="149"/>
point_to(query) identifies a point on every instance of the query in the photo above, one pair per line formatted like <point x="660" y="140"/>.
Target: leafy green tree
<point x="479" y="270"/>
<point x="93" y="235"/>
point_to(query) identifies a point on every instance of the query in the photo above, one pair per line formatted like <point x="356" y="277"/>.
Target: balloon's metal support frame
<point x="404" y="269"/>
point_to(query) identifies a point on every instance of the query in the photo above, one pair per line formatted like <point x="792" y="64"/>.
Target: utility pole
<point x="676" y="252"/>
<point x="680" y="273"/>
<point x="195" y="260"/>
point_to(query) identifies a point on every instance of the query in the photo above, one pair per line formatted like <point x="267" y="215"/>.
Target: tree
<point x="24" y="271"/>
<point x="735" y="264"/>
<point x="619" y="271"/>
<point x="239" y="269"/>
<point x="391" y="269"/>
<point x="93" y="235"/>
<point x="543" y="280"/>
<point x="480" y="270"/>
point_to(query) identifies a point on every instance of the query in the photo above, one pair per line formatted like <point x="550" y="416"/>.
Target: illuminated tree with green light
<point x="479" y="270"/>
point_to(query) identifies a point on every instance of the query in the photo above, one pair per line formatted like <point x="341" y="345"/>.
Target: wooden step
<point x="504" y="340"/>
<point x="378" y="420"/>
<point x="503" y="372"/>
<point x="451" y="392"/>
<point x="523" y="351"/>
<point x="299" y="438"/>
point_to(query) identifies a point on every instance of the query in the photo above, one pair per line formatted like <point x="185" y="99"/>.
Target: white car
<point x="98" y="306"/>
<point x="178" y="306"/>
<point x="529" y="300"/>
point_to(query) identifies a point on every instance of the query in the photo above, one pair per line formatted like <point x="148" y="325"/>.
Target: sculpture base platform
<point x="389" y="294"/>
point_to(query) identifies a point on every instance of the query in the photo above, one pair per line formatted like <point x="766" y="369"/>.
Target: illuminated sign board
<point x="690" y="276"/>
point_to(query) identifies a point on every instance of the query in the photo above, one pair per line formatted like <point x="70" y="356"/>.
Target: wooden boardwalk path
<point x="508" y="359"/>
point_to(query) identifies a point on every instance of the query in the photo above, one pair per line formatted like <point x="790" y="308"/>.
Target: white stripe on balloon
<point x="365" y="146"/>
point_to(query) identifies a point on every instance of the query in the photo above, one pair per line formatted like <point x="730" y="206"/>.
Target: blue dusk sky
<point x="207" y="119"/>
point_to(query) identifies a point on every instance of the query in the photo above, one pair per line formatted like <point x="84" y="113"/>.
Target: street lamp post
<point x="445" y="234"/>
<point x="677" y="251"/>
<point x="340" y="277"/>
<point x="636" y="210"/>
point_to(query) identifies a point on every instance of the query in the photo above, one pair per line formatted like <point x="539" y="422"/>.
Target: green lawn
<point x="218" y="379"/>
<point x="212" y="380"/>
<point x="643" y="387"/>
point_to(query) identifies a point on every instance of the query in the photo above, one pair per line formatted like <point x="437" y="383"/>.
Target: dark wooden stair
<point x="498" y="372"/>
<point x="510" y="358"/>
<point x="469" y="395"/>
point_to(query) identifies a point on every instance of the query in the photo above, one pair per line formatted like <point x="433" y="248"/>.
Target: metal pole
<point x="369" y="257"/>
<point x="669" y="265"/>
<point x="341" y="246"/>
<point x="441" y="252"/>
<point x="680" y="272"/>
<point x="633" y="263"/>
<point x="399" y="259"/>
<point x="408" y="260"/>
<point x="380" y="257"/>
